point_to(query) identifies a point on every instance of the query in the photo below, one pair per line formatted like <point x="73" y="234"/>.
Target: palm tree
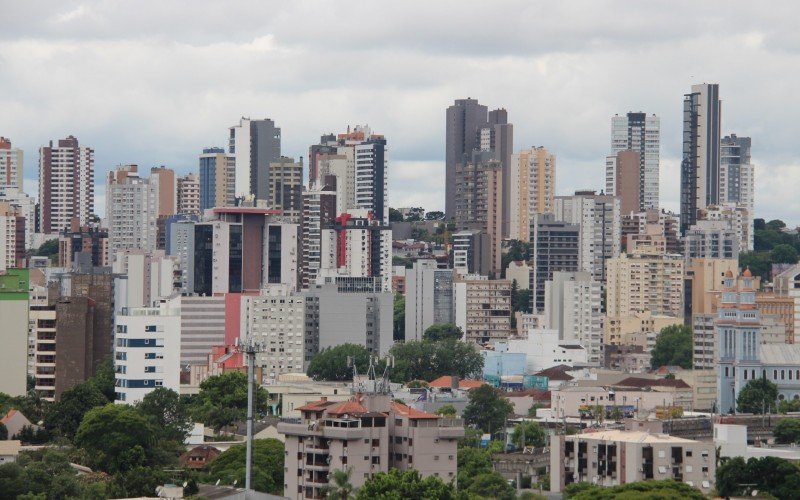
<point x="339" y="485"/>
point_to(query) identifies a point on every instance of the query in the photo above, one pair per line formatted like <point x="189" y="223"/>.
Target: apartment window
<point x="366" y="457"/>
<point x="150" y="328"/>
<point x="688" y="453"/>
<point x="366" y="441"/>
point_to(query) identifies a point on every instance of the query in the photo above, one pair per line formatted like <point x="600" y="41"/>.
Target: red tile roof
<point x="351" y="407"/>
<point x="446" y="382"/>
<point x="412" y="413"/>
<point x="8" y="416"/>
<point x="558" y="372"/>
<point x="316" y="405"/>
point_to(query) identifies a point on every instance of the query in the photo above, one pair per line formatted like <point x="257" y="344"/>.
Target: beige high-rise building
<point x="623" y="176"/>
<point x="10" y="165"/>
<point x="645" y="281"/>
<point x="706" y="277"/>
<point x="163" y="179"/>
<point x="285" y="184"/>
<point x="532" y="189"/>
<point x="483" y="309"/>
<point x="366" y="435"/>
<point x="189" y="194"/>
<point x="479" y="201"/>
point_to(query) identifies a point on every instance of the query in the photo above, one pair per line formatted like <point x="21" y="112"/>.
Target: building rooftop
<point x="632" y="437"/>
<point x="10" y="447"/>
<point x="412" y="413"/>
<point x="780" y="354"/>
<point x="446" y="382"/>
<point x="558" y="372"/>
<point x="640" y="382"/>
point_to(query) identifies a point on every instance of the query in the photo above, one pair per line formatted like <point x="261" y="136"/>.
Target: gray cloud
<point x="154" y="82"/>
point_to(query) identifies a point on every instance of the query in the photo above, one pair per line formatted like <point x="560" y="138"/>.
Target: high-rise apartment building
<point x="132" y="206"/>
<point x="254" y="144"/>
<point x="464" y="119"/>
<point x="641" y="133"/>
<point x="277" y="318"/>
<point x="26" y="205"/>
<point x="66" y="184"/>
<point x="572" y="307"/>
<point x="166" y="189"/>
<point x="371" y="177"/>
<point x="482" y="308"/>
<point x="471" y="129"/>
<point x="598" y="217"/>
<point x="700" y="166"/>
<point x="652" y="222"/>
<point x="532" y="189"/>
<point x="429" y="297"/>
<point x="623" y="180"/>
<point x="327" y="146"/>
<point x="146" y="351"/>
<point x="645" y="280"/>
<point x="556" y="247"/>
<point x="711" y="239"/>
<point x="11" y="163"/>
<point x="319" y="214"/>
<point x="472" y="252"/>
<point x="347" y="309"/>
<point x="737" y="178"/>
<point x="12" y="236"/>
<point x="285" y="187"/>
<point x="83" y="244"/>
<point x="479" y="201"/>
<point x="362" y="247"/>
<point x="217" y="179"/>
<point x="188" y="194"/>
<point x="737" y="216"/>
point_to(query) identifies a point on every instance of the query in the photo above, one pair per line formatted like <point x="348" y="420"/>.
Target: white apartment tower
<point x="642" y="133"/>
<point x="598" y="217"/>
<point x="131" y="210"/>
<point x="572" y="307"/>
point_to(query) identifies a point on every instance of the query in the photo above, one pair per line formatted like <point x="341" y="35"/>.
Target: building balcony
<point x="318" y="466"/>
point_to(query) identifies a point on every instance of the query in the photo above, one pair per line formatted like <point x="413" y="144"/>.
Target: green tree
<point x="330" y="364"/>
<point x="339" y="485"/>
<point x="528" y="434"/>
<point x="429" y="360"/>
<point x="137" y="482"/>
<point x="647" y="490"/>
<point x="3" y="432"/>
<point x="487" y="409"/>
<point x="674" y="346"/>
<point x="117" y="437"/>
<point x="400" y="485"/>
<point x="268" y="456"/>
<point x="395" y="215"/>
<point x="787" y="431"/>
<point x="514" y="250"/>
<point x="104" y="379"/>
<point x="520" y="299"/>
<point x="783" y="254"/>
<point x="443" y="331"/>
<point x="776" y="224"/>
<point x="48" y="249"/>
<point x="222" y="400"/>
<point x="759" y="263"/>
<point x="757" y="396"/>
<point x="12" y="480"/>
<point x="491" y="485"/>
<point x="399" y="317"/>
<point x="472" y="461"/>
<point x="434" y="215"/>
<point x="769" y="475"/>
<point x="64" y="416"/>
<point x="447" y="411"/>
<point x="166" y="411"/>
<point x="786" y="406"/>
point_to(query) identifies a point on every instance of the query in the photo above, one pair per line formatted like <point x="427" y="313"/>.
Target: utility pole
<point x="249" y="347"/>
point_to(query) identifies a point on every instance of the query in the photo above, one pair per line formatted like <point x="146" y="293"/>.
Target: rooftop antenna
<point x="249" y="346"/>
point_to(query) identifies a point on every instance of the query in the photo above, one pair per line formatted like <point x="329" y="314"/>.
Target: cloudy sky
<point x="153" y="82"/>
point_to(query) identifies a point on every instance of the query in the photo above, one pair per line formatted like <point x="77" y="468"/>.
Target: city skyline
<point x="559" y="93"/>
